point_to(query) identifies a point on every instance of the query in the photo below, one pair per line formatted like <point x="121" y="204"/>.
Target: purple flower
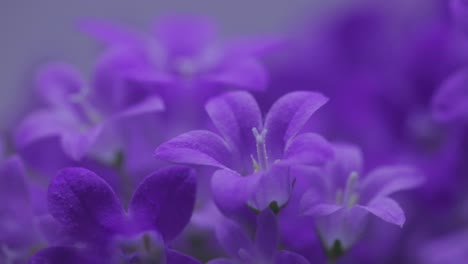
<point x="79" y="113"/>
<point x="184" y="50"/>
<point x="340" y="199"/>
<point x="242" y="250"/>
<point x="88" y="210"/>
<point x="19" y="232"/>
<point x="254" y="156"/>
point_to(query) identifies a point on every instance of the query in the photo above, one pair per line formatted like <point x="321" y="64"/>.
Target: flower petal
<point x="288" y="115"/>
<point x="247" y="73"/>
<point x="274" y="185"/>
<point x="235" y="114"/>
<point x="111" y="34"/>
<point x="387" y="209"/>
<point x="174" y="257"/>
<point x="314" y="205"/>
<point x="150" y="104"/>
<point x="386" y="180"/>
<point x="267" y="235"/>
<point x="185" y="35"/>
<point x="287" y="257"/>
<point x="77" y="144"/>
<point x="198" y="147"/>
<point x="347" y="159"/>
<point x="83" y="203"/>
<point x="308" y="148"/>
<point x="58" y="82"/>
<point x="231" y="191"/>
<point x="232" y="239"/>
<point x="164" y="201"/>
<point x="450" y="102"/>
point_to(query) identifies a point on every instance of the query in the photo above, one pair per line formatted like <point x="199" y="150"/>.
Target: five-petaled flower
<point x="253" y="156"/>
<point x="340" y="199"/>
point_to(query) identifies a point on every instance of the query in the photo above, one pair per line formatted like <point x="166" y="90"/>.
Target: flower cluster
<point x="342" y="143"/>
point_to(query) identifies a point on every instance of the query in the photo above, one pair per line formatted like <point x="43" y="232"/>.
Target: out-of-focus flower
<point x="340" y="200"/>
<point x="89" y="212"/>
<point x="78" y="114"/>
<point x="184" y="51"/>
<point x="450" y="102"/>
<point x="19" y="233"/>
<point x="254" y="156"/>
<point x="264" y="249"/>
<point x="451" y="249"/>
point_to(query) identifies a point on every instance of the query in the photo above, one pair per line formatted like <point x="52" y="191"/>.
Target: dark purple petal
<point x="247" y="73"/>
<point x="199" y="147"/>
<point x="60" y="255"/>
<point x="174" y="257"/>
<point x="450" y="102"/>
<point x="287" y="257"/>
<point x="235" y="114"/>
<point x="384" y="181"/>
<point x="185" y="35"/>
<point x="387" y="209"/>
<point x="308" y="148"/>
<point x="164" y="201"/>
<point x="288" y="115"/>
<point x="84" y="204"/>
<point x="313" y="204"/>
<point x="274" y="185"/>
<point x="231" y="191"/>
<point x="232" y="239"/>
<point x="58" y="82"/>
<point x="267" y="235"/>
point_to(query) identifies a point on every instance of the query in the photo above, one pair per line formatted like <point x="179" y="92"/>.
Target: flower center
<point x="185" y="67"/>
<point x="261" y="163"/>
<point x="144" y="248"/>
<point x="350" y="196"/>
<point x="84" y="109"/>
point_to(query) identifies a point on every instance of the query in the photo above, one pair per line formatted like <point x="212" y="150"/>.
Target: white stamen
<point x="262" y="155"/>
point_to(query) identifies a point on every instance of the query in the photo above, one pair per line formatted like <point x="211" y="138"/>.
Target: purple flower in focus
<point x="340" y="199"/>
<point x="264" y="249"/>
<point x="78" y="113"/>
<point x="254" y="156"/>
<point x="88" y="210"/>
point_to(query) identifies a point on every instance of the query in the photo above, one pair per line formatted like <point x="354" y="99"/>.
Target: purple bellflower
<point x="253" y="156"/>
<point x="340" y="199"/>
<point x="242" y="250"/>
<point x="91" y="215"/>
<point x="79" y="114"/>
<point x="184" y="50"/>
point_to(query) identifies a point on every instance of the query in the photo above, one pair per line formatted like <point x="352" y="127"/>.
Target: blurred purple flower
<point x="340" y="200"/>
<point x="450" y="102"/>
<point x="264" y="249"/>
<point x="253" y="155"/>
<point x="88" y="210"/>
<point x="184" y="50"/>
<point x="450" y="249"/>
<point x="78" y="114"/>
